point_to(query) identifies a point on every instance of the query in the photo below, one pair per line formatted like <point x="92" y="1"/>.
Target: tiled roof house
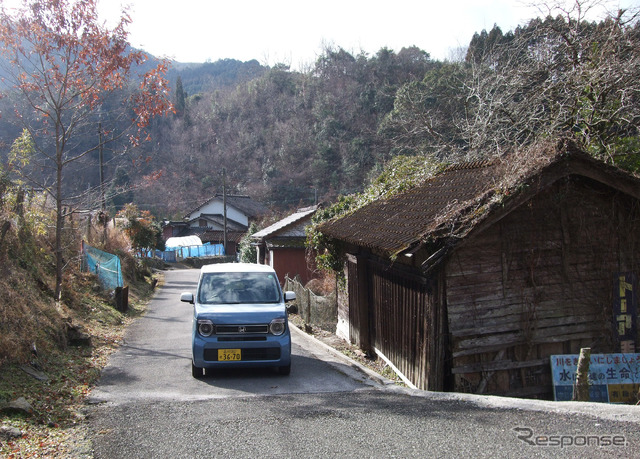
<point x="207" y="220"/>
<point x="282" y="246"/>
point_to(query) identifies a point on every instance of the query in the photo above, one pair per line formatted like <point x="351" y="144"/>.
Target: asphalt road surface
<point x="147" y="405"/>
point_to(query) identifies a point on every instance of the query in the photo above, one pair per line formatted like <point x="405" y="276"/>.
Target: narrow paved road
<point x="155" y="361"/>
<point x="147" y="405"/>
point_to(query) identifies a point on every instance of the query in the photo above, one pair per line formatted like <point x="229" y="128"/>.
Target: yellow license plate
<point x="227" y="355"/>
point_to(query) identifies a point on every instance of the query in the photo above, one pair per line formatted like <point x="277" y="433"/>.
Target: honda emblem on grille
<point x="242" y="329"/>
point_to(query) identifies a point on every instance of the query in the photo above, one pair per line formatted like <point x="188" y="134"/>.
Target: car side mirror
<point x="186" y="297"/>
<point x="289" y="296"/>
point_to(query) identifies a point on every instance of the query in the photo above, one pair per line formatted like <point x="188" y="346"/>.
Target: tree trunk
<point x="59" y="216"/>
<point x="19" y="207"/>
<point x="5" y="227"/>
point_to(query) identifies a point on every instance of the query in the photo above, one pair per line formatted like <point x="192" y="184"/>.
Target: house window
<point x="202" y="223"/>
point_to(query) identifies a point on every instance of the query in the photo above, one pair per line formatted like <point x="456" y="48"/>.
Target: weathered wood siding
<point x="355" y="305"/>
<point x="407" y="323"/>
<point x="536" y="283"/>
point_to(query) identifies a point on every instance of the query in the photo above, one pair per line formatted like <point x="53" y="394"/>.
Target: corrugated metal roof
<point x="284" y="223"/>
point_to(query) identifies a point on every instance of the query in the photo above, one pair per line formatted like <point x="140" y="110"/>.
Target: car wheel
<point x="284" y="371"/>
<point x="196" y="372"/>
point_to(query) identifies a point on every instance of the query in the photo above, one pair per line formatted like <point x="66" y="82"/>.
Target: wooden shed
<point x="470" y="281"/>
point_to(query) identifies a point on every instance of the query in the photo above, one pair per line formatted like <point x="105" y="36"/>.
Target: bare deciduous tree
<point x="63" y="65"/>
<point x="554" y="77"/>
<point x="559" y="76"/>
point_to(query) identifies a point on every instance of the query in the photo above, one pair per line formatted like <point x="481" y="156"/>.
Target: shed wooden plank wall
<point x="537" y="283"/>
<point x="355" y="305"/>
<point x="407" y="324"/>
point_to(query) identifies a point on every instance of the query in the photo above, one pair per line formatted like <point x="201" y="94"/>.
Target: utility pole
<point x="224" y="205"/>
<point x="103" y="203"/>
<point x="102" y="200"/>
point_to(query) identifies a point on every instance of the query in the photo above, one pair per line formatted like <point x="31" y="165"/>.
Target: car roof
<point x="236" y="268"/>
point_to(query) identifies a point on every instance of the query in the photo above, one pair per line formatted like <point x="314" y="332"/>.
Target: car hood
<point x="259" y="313"/>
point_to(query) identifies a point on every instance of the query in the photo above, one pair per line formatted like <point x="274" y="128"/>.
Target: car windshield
<point x="234" y="288"/>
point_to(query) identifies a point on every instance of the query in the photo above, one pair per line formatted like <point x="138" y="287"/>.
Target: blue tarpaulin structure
<point x="175" y="254"/>
<point x="195" y="251"/>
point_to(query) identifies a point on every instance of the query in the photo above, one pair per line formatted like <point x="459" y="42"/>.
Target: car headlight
<point x="205" y="327"/>
<point x="277" y="326"/>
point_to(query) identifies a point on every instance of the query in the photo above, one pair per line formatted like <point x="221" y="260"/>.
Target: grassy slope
<point x="34" y="334"/>
<point x="51" y="430"/>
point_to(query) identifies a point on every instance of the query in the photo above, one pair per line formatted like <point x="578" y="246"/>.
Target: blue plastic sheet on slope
<point x="105" y="265"/>
<point x="175" y="254"/>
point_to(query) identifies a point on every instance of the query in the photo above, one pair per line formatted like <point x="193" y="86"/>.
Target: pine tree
<point x="180" y="104"/>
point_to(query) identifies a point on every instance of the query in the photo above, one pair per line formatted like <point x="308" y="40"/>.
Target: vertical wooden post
<point x="581" y="386"/>
<point x="363" y="307"/>
<point x="122" y="298"/>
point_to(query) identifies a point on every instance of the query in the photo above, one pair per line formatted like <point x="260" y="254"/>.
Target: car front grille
<point x="269" y="353"/>
<point x="229" y="339"/>
<point x="241" y="329"/>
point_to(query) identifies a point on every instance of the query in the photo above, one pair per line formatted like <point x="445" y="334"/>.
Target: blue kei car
<point x="239" y="319"/>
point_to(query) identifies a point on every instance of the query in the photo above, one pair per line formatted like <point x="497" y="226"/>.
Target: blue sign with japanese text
<point x="613" y="378"/>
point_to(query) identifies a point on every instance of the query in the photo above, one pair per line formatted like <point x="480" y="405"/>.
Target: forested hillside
<point x="285" y="137"/>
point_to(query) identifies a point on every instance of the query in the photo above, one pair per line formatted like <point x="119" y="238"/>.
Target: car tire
<point x="196" y="372"/>
<point x="284" y="371"/>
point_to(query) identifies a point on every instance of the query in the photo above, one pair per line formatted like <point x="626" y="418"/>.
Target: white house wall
<point x="217" y="207"/>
